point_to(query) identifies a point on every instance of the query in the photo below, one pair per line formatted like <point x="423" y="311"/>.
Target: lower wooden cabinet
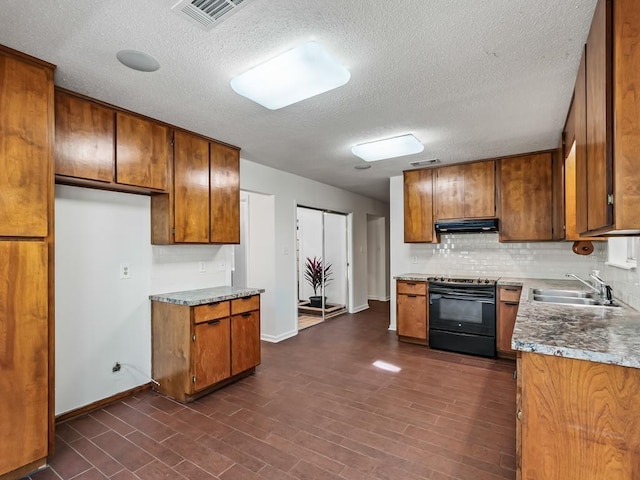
<point x="508" y="301"/>
<point x="576" y="420"/>
<point x="412" y="312"/>
<point x="198" y="349"/>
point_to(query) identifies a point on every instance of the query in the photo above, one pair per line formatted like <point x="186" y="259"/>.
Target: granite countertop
<point x="205" y="295"/>
<point x="597" y="334"/>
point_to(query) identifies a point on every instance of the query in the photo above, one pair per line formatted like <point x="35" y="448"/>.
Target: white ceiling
<point x="471" y="79"/>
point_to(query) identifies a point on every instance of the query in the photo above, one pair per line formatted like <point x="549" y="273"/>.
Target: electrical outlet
<point x="221" y="267"/>
<point x="202" y="267"/>
<point x="125" y="271"/>
<point x="116" y="367"/>
<point x="414" y="259"/>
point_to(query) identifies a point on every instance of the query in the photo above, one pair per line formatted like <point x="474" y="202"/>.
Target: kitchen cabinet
<point x="197" y="349"/>
<point x="203" y="206"/>
<point x="418" y="206"/>
<point x="102" y="147"/>
<point x="508" y="301"/>
<point x="26" y="263"/>
<point x="612" y="120"/>
<point x="465" y="191"/>
<point x="527" y="198"/>
<point x="412" y="315"/>
<point x="576" y="419"/>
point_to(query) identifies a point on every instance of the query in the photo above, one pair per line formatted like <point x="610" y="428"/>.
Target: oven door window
<point x="460" y="311"/>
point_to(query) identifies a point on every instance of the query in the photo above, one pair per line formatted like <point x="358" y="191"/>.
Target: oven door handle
<point x="435" y="296"/>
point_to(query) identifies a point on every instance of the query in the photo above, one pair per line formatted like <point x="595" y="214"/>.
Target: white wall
<point x="101" y="319"/>
<point x="482" y="254"/>
<point x="289" y="191"/>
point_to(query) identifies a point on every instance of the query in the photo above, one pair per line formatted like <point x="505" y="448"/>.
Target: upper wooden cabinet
<point x="143" y="149"/>
<point x="85" y="139"/>
<point x="225" y="194"/>
<point x="526" y="198"/>
<point x="99" y="146"/>
<point x="418" y="206"/>
<point x="465" y="191"/>
<point x="613" y="119"/>
<point x="26" y="137"/>
<point x="204" y="204"/>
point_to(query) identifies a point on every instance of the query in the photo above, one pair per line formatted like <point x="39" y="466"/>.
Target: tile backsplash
<point x="482" y="255"/>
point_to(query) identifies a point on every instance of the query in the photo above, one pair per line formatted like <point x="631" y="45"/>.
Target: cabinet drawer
<point x="509" y="294"/>
<point x="412" y="288"/>
<point x="245" y="304"/>
<point x="210" y="311"/>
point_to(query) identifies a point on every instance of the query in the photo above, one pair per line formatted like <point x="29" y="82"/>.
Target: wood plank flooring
<point x="316" y="408"/>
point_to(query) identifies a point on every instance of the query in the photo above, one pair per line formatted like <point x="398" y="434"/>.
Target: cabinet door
<point x="143" y="149"/>
<point x="418" y="206"/>
<point x="599" y="118"/>
<point x="211" y="360"/>
<point x="412" y="316"/>
<point x="26" y="147"/>
<point x="85" y="139"/>
<point x="526" y="206"/>
<point x="24" y="326"/>
<point x="508" y="301"/>
<point x="448" y="194"/>
<point x="245" y="341"/>
<point x="191" y="188"/>
<point x="225" y="194"/>
<point x="479" y="189"/>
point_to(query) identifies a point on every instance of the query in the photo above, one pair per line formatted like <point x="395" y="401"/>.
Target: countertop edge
<point x="203" y="296"/>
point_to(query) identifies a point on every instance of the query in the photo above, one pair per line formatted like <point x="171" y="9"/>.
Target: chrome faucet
<point x="604" y="290"/>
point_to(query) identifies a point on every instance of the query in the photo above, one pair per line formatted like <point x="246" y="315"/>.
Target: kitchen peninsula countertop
<point x="205" y="295"/>
<point x="598" y="334"/>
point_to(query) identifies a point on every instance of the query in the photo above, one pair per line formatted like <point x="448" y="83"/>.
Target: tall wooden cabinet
<point x="26" y="263"/>
<point x="203" y="205"/>
<point x="613" y="119"/>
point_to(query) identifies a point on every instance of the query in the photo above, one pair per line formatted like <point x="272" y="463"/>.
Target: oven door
<point x="466" y="309"/>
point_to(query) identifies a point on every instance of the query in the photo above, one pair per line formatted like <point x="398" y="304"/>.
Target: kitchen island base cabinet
<point x="412" y="312"/>
<point x="198" y="349"/>
<point x="507" y="311"/>
<point x="578" y="420"/>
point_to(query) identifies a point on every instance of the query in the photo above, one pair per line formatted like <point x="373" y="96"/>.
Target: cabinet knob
<point x="193" y="379"/>
<point x="193" y="338"/>
<point x="519" y="414"/>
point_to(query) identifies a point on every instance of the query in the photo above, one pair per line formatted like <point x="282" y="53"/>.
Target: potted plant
<point x="314" y="272"/>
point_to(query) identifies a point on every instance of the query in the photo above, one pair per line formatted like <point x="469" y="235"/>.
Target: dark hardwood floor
<point x="317" y="408"/>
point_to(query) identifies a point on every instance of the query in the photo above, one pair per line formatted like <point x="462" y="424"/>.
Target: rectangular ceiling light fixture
<point x="388" y="148"/>
<point x="298" y="74"/>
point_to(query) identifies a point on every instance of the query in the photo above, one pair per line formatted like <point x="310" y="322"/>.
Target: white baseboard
<point x="278" y="338"/>
<point x="379" y="299"/>
<point x="392" y="328"/>
<point x="359" y="308"/>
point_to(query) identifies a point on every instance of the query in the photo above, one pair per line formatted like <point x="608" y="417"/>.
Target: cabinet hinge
<point x="193" y="379"/>
<point x="173" y="231"/>
<point x="193" y="339"/>
<point x="610" y="199"/>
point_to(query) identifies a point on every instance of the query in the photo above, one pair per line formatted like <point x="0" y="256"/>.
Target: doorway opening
<point x="322" y="265"/>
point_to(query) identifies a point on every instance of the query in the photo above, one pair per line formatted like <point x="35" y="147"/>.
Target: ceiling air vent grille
<point x="208" y="13"/>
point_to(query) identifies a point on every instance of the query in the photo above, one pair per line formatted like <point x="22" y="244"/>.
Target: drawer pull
<point x="411" y="284"/>
<point x="213" y="322"/>
<point x="246" y="315"/>
<point x="412" y="296"/>
<point x="512" y="289"/>
<point x="511" y="303"/>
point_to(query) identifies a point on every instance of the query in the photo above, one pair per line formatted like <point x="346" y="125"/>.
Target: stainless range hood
<point x="477" y="225"/>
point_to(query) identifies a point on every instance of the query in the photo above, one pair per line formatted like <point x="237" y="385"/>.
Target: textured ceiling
<point x="470" y="78"/>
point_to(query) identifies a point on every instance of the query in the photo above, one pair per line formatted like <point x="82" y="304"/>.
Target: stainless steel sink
<point x="547" y="292"/>
<point x="567" y="297"/>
